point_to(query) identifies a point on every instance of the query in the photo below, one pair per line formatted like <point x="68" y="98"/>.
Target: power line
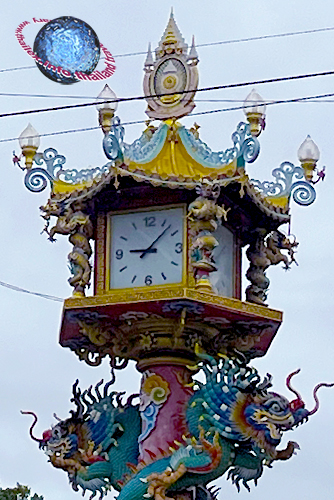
<point x="269" y="103"/>
<point x="315" y="98"/>
<point x="241" y="40"/>
<point x="9" y="94"/>
<point x="210" y="44"/>
<point x="23" y="290"/>
<point x="203" y="89"/>
<point x="17" y="69"/>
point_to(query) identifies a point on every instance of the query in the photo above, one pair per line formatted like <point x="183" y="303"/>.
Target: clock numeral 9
<point x="148" y="280"/>
<point x="149" y="221"/>
<point x="178" y="248"/>
<point x="119" y="254"/>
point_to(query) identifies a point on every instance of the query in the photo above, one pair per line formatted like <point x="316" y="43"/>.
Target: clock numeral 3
<point x="148" y="280"/>
<point x="178" y="248"/>
<point x="149" y="221"/>
<point x="119" y="254"/>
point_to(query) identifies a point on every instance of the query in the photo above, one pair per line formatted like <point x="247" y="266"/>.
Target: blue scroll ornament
<point x="244" y="145"/>
<point x="287" y="183"/>
<point x="113" y="141"/>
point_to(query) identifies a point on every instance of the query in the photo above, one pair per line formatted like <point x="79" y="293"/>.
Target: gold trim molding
<point x="168" y="293"/>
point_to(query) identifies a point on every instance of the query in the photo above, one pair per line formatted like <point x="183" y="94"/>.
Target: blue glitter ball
<point x="68" y="45"/>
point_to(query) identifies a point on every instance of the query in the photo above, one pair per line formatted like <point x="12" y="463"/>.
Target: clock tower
<point x="159" y="231"/>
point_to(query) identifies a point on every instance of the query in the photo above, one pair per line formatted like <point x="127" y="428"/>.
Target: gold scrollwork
<point x="96" y="334"/>
<point x="100" y="254"/>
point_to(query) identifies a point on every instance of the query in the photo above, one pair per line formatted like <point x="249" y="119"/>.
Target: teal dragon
<point x="234" y="426"/>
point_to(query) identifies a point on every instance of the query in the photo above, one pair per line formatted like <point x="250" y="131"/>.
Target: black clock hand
<point x="148" y="249"/>
<point x="151" y="250"/>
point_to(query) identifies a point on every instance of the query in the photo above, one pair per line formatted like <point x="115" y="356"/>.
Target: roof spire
<point x="149" y="63"/>
<point x="172" y="40"/>
<point x="193" y="56"/>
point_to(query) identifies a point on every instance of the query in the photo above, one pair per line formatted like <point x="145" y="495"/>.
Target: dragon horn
<point x="323" y="384"/>
<point x="288" y="380"/>
<point x="33" y="425"/>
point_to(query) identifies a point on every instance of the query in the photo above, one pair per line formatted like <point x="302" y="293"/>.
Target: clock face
<point x="170" y="78"/>
<point x="147" y="248"/>
<point x="222" y="279"/>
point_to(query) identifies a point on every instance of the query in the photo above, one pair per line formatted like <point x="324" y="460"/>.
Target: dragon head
<point x="59" y="442"/>
<point x="264" y="416"/>
<point x="235" y="401"/>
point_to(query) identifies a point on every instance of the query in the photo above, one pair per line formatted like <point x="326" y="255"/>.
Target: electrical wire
<point x="23" y="290"/>
<point x="48" y="96"/>
<point x="241" y="40"/>
<point x="140" y="98"/>
<point x="210" y="44"/>
<point x="315" y="98"/>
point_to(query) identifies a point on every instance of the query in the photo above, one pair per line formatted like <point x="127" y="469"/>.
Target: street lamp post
<point x="255" y="111"/>
<point x="106" y="106"/>
<point x="308" y="155"/>
<point x="29" y="142"/>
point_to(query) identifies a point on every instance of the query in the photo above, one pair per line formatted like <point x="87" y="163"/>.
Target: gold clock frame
<point x="103" y="251"/>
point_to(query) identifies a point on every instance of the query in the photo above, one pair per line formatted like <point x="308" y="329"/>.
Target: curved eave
<point x="275" y="207"/>
<point x="174" y="163"/>
<point x="83" y="191"/>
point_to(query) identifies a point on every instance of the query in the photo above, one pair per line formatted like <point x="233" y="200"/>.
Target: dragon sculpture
<point x="205" y="215"/>
<point x="73" y="221"/>
<point x="234" y="426"/>
<point x="262" y="253"/>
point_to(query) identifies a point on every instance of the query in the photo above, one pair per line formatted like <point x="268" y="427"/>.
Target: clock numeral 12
<point x="149" y="221"/>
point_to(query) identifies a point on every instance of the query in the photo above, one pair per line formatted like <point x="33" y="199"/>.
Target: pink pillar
<point x="165" y="392"/>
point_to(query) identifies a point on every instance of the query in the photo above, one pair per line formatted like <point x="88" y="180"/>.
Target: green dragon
<point x="234" y="426"/>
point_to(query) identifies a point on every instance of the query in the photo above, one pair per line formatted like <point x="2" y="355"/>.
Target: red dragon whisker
<point x="288" y="380"/>
<point x="315" y="390"/>
<point x="33" y="425"/>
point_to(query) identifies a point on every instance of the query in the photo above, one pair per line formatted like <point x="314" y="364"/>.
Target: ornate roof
<point x="174" y="157"/>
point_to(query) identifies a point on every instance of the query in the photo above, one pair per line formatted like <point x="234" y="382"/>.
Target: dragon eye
<point x="56" y="433"/>
<point x="276" y="407"/>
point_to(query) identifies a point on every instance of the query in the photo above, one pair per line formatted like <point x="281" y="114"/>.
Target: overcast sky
<point x="36" y="373"/>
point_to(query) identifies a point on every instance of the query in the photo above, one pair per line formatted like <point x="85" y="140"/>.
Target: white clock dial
<point x="147" y="248"/>
<point x="222" y="279"/>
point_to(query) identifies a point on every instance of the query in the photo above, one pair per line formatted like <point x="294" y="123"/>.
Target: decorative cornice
<point x="172" y="292"/>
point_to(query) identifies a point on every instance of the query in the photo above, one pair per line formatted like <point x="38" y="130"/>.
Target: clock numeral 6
<point x="148" y="280"/>
<point x="119" y="254"/>
<point x="178" y="248"/>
